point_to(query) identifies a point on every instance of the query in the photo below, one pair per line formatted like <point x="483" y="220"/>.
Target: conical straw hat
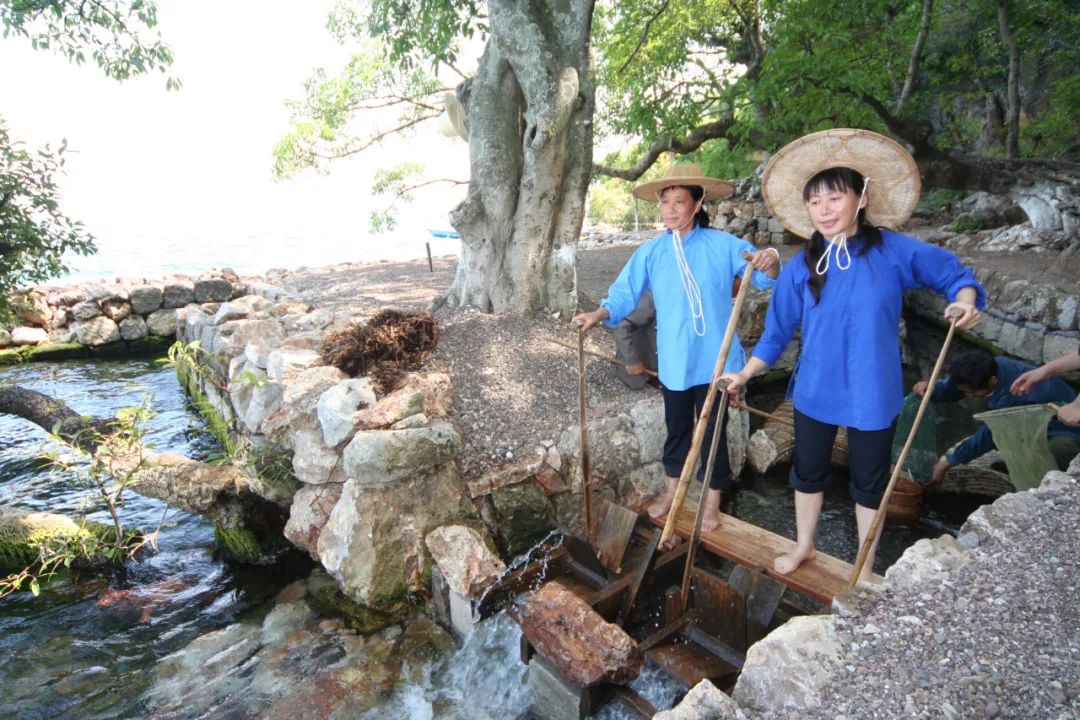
<point x="894" y="176"/>
<point x="684" y="174"/>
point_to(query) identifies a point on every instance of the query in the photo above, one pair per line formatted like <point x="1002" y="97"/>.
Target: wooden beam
<point x="821" y="578"/>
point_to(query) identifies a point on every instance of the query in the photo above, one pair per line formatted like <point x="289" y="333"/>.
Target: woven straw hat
<point x="894" y="176"/>
<point x="684" y="174"/>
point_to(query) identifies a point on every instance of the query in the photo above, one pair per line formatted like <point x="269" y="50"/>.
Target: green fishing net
<point x="1020" y="436"/>
<point x="923" y="453"/>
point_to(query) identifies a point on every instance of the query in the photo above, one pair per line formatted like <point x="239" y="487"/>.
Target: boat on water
<point x="444" y="233"/>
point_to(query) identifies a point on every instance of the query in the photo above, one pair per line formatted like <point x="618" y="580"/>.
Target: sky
<point x="194" y="163"/>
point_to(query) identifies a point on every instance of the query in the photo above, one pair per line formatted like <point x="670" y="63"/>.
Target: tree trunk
<point x="1012" y="110"/>
<point x="220" y="493"/>
<point x="530" y="108"/>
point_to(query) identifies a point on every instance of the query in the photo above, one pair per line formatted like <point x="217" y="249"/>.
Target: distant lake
<point x="133" y="255"/>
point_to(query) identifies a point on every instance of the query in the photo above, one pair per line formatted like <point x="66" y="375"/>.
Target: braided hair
<point x="835" y="179"/>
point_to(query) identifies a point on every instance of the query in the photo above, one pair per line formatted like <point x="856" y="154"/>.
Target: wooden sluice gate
<point x="623" y="582"/>
<point x="821" y="578"/>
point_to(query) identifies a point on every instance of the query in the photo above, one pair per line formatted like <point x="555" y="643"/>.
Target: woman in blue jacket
<point x="690" y="270"/>
<point x="839" y="189"/>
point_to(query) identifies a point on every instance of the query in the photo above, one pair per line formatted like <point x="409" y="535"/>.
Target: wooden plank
<point x="721" y="609"/>
<point x="763" y="595"/>
<point x="717" y="647"/>
<point x="821" y="578"/>
<point x="582" y="552"/>
<point x="616" y="527"/>
<point x="690" y="663"/>
<point x="645" y="563"/>
<point x="639" y="706"/>
<point x="665" y="633"/>
<point x="525" y="578"/>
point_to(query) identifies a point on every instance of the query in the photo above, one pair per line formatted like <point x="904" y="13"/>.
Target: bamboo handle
<point x="699" y="430"/>
<point x="600" y="355"/>
<point x="586" y="479"/>
<point x="691" y="551"/>
<point x="871" y="536"/>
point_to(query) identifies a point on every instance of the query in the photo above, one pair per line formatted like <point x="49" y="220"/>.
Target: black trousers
<point x="869" y="459"/>
<point x="681" y="410"/>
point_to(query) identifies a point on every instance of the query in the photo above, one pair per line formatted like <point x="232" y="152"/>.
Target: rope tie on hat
<point x="690" y="285"/>
<point x="843" y="256"/>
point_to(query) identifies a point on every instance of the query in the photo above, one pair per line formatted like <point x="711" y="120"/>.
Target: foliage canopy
<point x="34" y="233"/>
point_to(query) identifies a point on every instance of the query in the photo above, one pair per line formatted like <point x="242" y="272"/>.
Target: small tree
<point x="34" y="233"/>
<point x="116" y="457"/>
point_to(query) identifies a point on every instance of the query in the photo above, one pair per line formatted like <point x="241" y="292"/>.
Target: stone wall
<point x="124" y="312"/>
<point x="370" y="474"/>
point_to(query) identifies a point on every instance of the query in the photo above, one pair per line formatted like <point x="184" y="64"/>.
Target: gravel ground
<point x="998" y="638"/>
<point x="512" y="388"/>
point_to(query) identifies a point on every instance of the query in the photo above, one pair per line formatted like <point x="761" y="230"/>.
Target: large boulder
<point x="337" y="405"/>
<point x="178" y="293"/>
<point x="98" y="331"/>
<point x="576" y="640"/>
<point x="28" y="336"/>
<point x="301" y="397"/>
<point x="703" y="701"/>
<point x="284" y="364"/>
<point x="373" y="542"/>
<point x="380" y="457"/>
<point x="86" y="310"/>
<point x="311" y="508"/>
<point x="162" y="323"/>
<point x="33" y="308"/>
<point x="211" y="290"/>
<point x="464" y="559"/>
<point x="229" y="339"/>
<point x="790" y="668"/>
<point x="145" y="299"/>
<point x="133" y="328"/>
<point x="313" y="462"/>
<point x="523" y="516"/>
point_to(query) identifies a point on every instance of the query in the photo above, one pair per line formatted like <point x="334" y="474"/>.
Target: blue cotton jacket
<point x="714" y="257"/>
<point x="1051" y="390"/>
<point x="849" y="370"/>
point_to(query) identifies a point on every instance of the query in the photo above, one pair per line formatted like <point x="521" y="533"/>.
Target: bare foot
<point x="710" y="520"/>
<point x="660" y="507"/>
<point x="786" y="563"/>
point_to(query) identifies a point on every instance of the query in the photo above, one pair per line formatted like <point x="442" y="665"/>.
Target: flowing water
<point x="86" y="647"/>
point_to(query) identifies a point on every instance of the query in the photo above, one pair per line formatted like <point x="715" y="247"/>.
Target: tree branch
<point x="695" y="139"/>
<point x="221" y="493"/>
<point x="644" y="36"/>
<point x="377" y="138"/>
<point x="916" y="55"/>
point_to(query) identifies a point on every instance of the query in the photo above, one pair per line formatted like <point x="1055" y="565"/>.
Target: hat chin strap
<point x="839" y="241"/>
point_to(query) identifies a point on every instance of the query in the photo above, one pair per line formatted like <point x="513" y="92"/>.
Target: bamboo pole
<point x="699" y="430"/>
<point x="586" y="478"/>
<point x="691" y="551"/>
<point x="602" y="356"/>
<point x="879" y="516"/>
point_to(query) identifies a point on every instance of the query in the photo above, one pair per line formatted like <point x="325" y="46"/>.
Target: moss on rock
<point x="327" y="598"/>
<point x="23" y="535"/>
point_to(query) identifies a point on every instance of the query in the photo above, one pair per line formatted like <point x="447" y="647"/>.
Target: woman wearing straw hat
<point x="690" y="269"/>
<point x="840" y="189"/>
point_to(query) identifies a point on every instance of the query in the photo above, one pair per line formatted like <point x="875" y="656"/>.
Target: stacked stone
<point x="751" y="221"/>
<point x="126" y="311"/>
<point x="370" y="476"/>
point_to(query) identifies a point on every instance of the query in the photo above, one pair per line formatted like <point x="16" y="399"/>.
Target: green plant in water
<point x="116" y="457"/>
